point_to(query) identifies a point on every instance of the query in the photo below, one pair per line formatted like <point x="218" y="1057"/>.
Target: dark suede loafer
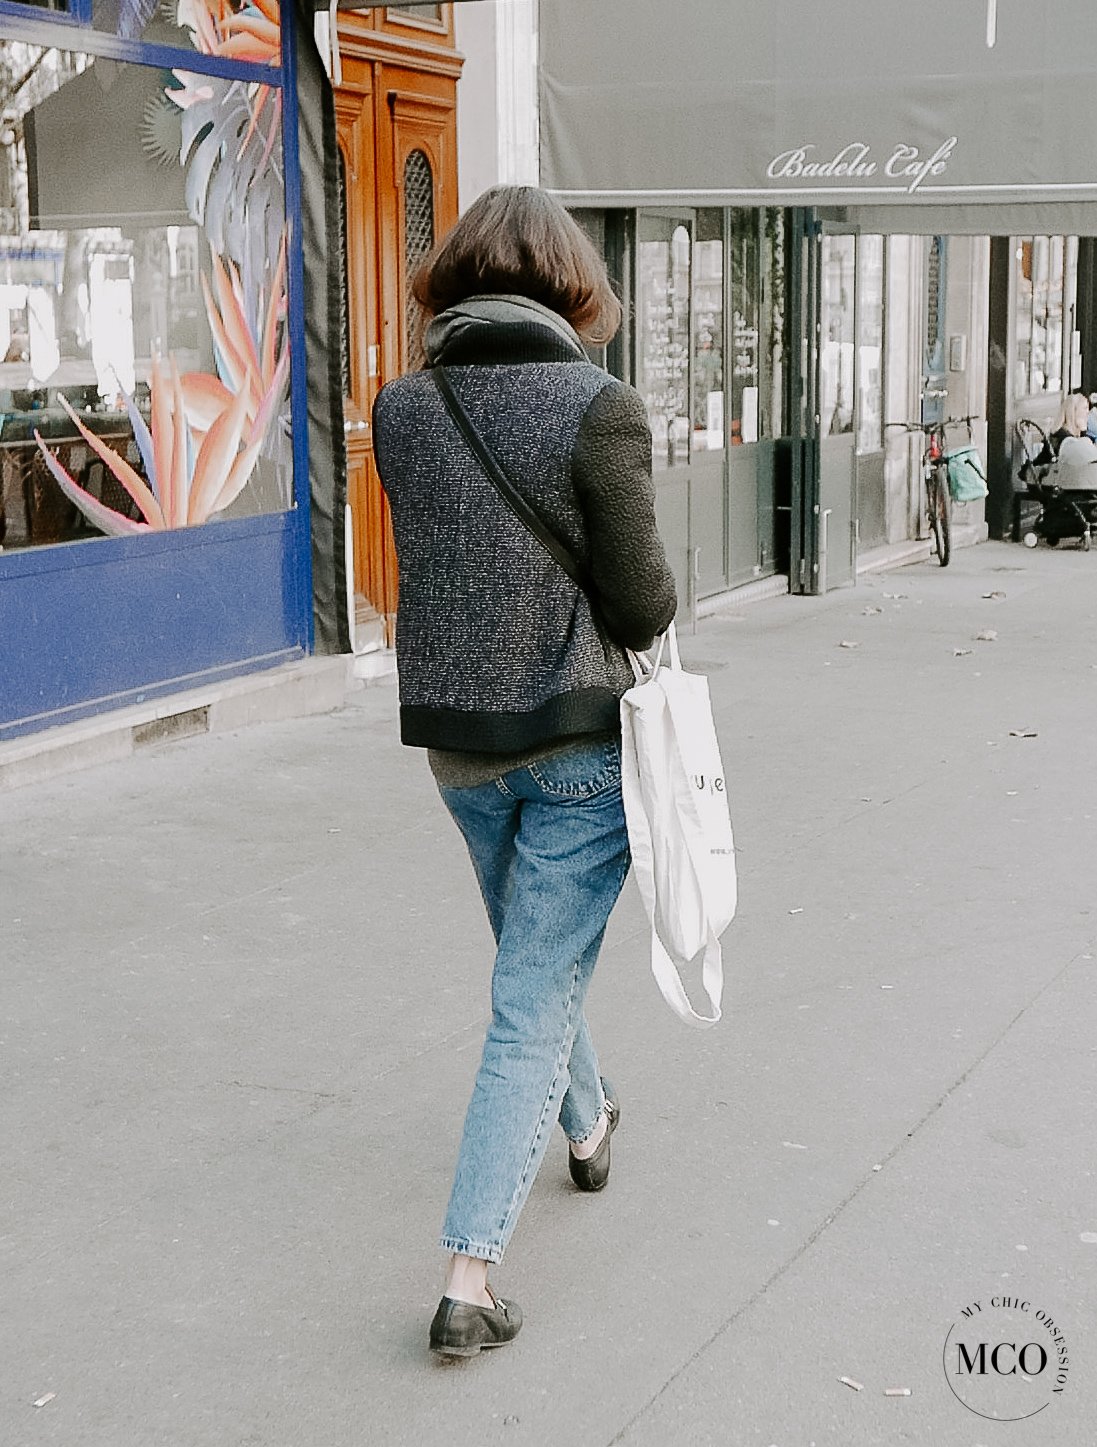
<point x="593" y="1173"/>
<point x="460" y="1329"/>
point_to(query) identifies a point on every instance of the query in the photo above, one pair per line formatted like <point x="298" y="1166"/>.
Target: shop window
<point x="756" y="248"/>
<point x="870" y="344"/>
<point x="746" y="331"/>
<point x="710" y="329"/>
<point x="1044" y="298"/>
<point x="838" y="333"/>
<point x="245" y="31"/>
<point x="144" y="381"/>
<point x="241" y="30"/>
<point x="935" y="303"/>
<point x="1023" y="308"/>
<point x="417" y="12"/>
<point x="772" y="323"/>
<point x="418" y="242"/>
<point x="707" y="369"/>
<point x="664" y="251"/>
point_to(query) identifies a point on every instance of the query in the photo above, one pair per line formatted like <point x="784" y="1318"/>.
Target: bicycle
<point x="935" y="476"/>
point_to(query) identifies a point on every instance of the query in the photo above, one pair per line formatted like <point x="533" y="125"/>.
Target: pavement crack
<point x="281" y="1089"/>
<point x="829" y="1220"/>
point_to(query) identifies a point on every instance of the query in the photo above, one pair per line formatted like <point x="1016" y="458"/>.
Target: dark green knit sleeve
<point x="611" y="471"/>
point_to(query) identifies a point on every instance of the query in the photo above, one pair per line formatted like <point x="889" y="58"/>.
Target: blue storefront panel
<point x="95" y="626"/>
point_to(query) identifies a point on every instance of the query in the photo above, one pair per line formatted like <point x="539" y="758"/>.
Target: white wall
<point x="477" y="101"/>
<point x="496" y="96"/>
<point x="902" y="384"/>
<point x="967" y="315"/>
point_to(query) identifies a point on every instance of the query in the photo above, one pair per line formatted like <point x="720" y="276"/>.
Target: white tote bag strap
<point x="644" y="665"/>
<point x="670" y="981"/>
<point x="671" y="635"/>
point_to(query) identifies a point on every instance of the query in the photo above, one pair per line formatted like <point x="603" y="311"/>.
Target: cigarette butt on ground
<point x="849" y="1382"/>
<point x="896" y="1391"/>
<point x="41" y="1402"/>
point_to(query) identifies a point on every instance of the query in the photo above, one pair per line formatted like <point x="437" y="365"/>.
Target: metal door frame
<point x="802" y="397"/>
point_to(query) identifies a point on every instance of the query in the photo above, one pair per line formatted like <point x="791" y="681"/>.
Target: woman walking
<point x="510" y="675"/>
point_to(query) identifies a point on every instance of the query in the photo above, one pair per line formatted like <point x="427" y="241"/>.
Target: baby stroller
<point x="1066" y="491"/>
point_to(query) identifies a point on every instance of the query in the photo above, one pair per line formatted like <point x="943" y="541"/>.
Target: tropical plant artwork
<point x="207" y="431"/>
<point x="235" y="187"/>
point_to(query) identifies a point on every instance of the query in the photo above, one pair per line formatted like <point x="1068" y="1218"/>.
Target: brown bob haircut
<point x="519" y="241"/>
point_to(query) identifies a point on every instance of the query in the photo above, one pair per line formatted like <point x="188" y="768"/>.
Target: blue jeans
<point x="550" y="851"/>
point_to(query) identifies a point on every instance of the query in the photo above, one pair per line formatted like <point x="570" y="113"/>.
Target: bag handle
<point x="644" y="666"/>
<point x="522" y="510"/>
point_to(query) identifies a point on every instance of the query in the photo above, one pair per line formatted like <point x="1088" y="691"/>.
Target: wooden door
<point x="417" y="209"/>
<point x="396" y="114"/>
<point x="374" y="555"/>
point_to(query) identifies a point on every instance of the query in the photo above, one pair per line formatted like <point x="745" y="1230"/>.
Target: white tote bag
<point x="679" y="825"/>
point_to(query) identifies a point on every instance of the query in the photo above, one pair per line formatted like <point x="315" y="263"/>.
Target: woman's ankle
<point x="583" y="1150"/>
<point x="467" y="1280"/>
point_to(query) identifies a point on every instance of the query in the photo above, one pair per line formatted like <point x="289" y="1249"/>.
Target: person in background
<point x="511" y="677"/>
<point x="1072" y="446"/>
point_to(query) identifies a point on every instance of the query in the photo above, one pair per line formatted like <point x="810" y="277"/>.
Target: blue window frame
<point x="39" y="25"/>
<point x="114" y="620"/>
<point x="77" y="10"/>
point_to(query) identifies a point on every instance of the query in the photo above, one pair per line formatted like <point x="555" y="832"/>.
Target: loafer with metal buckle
<point x="460" y="1329"/>
<point x="593" y="1173"/>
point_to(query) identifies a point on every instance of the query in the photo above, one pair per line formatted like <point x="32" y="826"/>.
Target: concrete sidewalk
<point x="244" y="985"/>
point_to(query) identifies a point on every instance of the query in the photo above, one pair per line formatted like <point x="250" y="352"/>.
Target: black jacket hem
<point x="581" y="711"/>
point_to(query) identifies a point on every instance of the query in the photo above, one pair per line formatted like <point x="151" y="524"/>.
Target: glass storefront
<point x="870" y="343"/>
<point x="416" y="12"/>
<point x="746" y="351"/>
<point x="757" y="245"/>
<point x="144" y="381"/>
<point x="232" y="29"/>
<point x="150" y="283"/>
<point x="852" y="339"/>
<point x="838" y="322"/>
<point x="774" y="341"/>
<point x="707" y="348"/>
<point x="663" y="337"/>
<point x="720" y="367"/>
<point x="710" y="356"/>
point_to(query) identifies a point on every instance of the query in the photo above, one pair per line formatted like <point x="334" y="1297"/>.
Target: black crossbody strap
<point x="518" y="505"/>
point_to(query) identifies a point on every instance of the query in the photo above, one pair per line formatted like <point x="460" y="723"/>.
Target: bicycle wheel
<point x="941" y="515"/>
<point x="932" y="511"/>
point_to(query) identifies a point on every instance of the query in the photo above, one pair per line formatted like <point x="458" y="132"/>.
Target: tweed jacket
<point x="498" y="651"/>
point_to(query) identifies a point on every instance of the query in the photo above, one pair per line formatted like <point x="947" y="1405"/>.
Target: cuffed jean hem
<point x="456" y="1246"/>
<point x="577" y="1140"/>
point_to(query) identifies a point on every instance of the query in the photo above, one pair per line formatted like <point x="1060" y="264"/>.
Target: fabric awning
<point x="852" y="103"/>
<point x="1031" y="218"/>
